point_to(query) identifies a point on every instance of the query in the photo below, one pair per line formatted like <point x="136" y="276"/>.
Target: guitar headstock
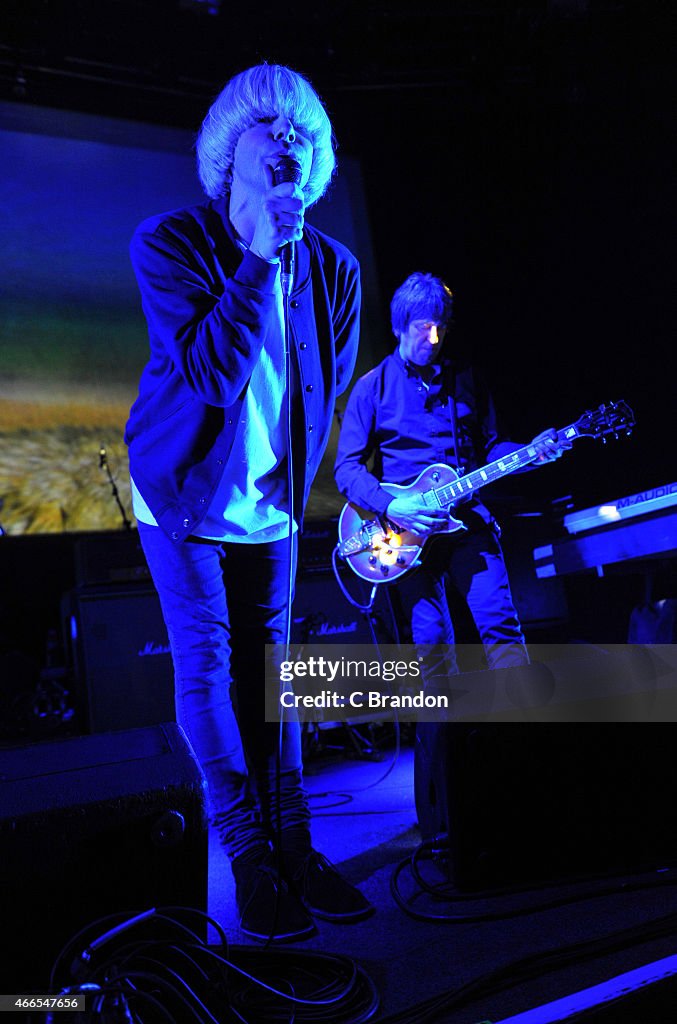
<point x="615" y="418"/>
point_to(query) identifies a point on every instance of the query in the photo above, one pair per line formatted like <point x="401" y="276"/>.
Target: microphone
<point x="287" y="169"/>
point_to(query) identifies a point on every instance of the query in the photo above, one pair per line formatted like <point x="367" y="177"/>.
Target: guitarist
<point x="419" y="406"/>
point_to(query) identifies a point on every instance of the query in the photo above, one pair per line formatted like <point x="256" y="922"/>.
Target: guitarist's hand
<point x="409" y="513"/>
<point x="549" y="446"/>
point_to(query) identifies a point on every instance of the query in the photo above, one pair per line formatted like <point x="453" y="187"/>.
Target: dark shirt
<point x="208" y="308"/>
<point x="405" y="424"/>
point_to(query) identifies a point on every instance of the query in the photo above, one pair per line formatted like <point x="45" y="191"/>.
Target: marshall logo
<point x="326" y="629"/>
<point x="151" y="649"/>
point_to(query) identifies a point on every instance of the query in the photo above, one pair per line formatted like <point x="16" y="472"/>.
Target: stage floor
<point x="364" y="819"/>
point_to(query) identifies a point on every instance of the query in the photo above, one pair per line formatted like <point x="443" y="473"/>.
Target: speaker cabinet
<point x="110" y="558"/>
<point x="530" y="801"/>
<point x="92" y="826"/>
<point x="120" y="655"/>
<point x="321" y="614"/>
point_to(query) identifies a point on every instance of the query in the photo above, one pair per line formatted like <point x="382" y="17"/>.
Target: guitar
<point x="379" y="552"/>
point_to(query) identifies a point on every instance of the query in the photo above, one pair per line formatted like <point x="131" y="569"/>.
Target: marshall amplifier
<point x="114" y="558"/>
<point x="321" y="614"/>
<point x="119" y="651"/>
<point x="316" y="543"/>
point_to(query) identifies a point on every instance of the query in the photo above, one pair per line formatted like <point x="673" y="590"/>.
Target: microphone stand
<point x="103" y="464"/>
<point x="287" y="169"/>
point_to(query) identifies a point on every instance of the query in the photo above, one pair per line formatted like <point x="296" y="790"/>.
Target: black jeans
<point x="472" y="564"/>
<point x="222" y="603"/>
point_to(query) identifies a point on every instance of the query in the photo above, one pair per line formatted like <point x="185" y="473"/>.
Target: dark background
<point x="523" y="151"/>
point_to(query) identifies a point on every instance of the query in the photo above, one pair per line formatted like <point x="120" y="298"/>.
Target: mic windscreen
<point x="287" y="169"/>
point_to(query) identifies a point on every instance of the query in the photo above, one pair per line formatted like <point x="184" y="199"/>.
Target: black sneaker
<point x="324" y="892"/>
<point x="269" y="910"/>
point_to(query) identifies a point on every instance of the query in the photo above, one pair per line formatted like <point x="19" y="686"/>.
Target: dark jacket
<point x="394" y="427"/>
<point x="207" y="308"/>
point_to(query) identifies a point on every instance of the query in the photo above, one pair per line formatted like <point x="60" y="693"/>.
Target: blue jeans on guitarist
<point x="472" y="566"/>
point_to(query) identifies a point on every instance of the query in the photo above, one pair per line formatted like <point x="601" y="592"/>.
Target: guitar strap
<point x="451" y="402"/>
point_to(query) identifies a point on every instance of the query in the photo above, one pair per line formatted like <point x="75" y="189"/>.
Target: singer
<point x="218" y="487"/>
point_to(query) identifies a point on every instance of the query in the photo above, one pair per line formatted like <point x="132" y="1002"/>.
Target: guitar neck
<point x="496" y="470"/>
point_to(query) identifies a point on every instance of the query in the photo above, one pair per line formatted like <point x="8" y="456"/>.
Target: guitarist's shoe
<point x="324" y="892"/>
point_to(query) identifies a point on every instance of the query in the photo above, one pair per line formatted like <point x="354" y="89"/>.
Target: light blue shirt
<point x="250" y="504"/>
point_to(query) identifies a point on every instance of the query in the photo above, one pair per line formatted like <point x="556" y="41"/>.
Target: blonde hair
<point x="264" y="90"/>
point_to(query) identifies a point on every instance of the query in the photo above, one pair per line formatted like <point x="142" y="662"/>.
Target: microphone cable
<point x="152" y="967"/>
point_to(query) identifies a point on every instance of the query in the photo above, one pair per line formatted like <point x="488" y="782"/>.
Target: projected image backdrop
<point x="72" y="334"/>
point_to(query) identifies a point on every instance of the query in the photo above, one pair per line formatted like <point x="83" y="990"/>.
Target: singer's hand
<point x="280" y="220"/>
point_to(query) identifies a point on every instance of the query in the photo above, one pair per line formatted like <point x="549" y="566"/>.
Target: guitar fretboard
<point x="477" y="478"/>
